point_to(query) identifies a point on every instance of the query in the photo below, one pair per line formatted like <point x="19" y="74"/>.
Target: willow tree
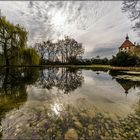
<point x="29" y="57"/>
<point x="12" y="37"/>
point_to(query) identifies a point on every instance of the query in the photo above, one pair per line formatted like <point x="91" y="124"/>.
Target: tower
<point x="127" y="45"/>
<point x="127" y="37"/>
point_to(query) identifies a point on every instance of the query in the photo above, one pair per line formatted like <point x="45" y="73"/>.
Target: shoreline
<point x="106" y="67"/>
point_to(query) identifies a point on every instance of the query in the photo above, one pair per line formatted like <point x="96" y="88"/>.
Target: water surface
<point x="32" y="97"/>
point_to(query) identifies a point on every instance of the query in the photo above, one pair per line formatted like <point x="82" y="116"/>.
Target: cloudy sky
<point x="99" y="25"/>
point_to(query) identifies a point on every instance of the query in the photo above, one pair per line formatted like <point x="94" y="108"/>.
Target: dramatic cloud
<point x="99" y="25"/>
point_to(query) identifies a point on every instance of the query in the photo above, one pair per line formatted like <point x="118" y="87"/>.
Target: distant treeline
<point x="14" y="50"/>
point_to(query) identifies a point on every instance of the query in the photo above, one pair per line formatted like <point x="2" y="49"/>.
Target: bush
<point x="123" y="59"/>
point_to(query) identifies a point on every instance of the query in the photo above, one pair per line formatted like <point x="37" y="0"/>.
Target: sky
<point x="100" y="26"/>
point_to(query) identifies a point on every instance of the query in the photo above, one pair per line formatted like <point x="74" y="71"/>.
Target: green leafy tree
<point x="12" y="37"/>
<point x="123" y="59"/>
<point x="29" y="57"/>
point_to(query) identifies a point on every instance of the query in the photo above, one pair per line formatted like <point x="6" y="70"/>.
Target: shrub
<point x="123" y="59"/>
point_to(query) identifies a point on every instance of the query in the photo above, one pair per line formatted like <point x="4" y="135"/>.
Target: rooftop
<point x="127" y="43"/>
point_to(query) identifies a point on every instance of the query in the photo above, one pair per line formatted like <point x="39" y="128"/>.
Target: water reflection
<point x="13" y="83"/>
<point x="127" y="85"/>
<point x="65" y="79"/>
<point x="18" y="85"/>
<point x="16" y="79"/>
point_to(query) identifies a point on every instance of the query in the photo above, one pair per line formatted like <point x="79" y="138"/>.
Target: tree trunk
<point x="6" y="55"/>
<point x="6" y="80"/>
<point x="7" y="62"/>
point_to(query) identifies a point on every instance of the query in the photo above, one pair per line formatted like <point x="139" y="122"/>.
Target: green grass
<point x="106" y="67"/>
<point x="90" y="66"/>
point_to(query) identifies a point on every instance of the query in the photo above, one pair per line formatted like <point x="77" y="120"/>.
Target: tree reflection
<point x="126" y="84"/>
<point x="14" y="79"/>
<point x="13" y="83"/>
<point x="69" y="80"/>
<point x="65" y="79"/>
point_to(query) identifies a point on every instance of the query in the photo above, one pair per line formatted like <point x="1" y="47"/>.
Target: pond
<point x="68" y="103"/>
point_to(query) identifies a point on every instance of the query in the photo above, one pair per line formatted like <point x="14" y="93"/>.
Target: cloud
<point x="93" y="23"/>
<point x="103" y="50"/>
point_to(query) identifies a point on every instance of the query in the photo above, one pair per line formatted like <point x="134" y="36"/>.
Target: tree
<point x="1" y="59"/>
<point x="136" y="52"/>
<point x="133" y="9"/>
<point x="47" y="51"/>
<point x="29" y="57"/>
<point x="123" y="59"/>
<point x="60" y="53"/>
<point x="70" y="50"/>
<point x="41" y="50"/>
<point x="51" y="51"/>
<point x="66" y="50"/>
<point x="12" y="37"/>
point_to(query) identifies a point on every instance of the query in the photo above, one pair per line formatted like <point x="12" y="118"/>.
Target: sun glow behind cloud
<point x="58" y="20"/>
<point x="99" y="25"/>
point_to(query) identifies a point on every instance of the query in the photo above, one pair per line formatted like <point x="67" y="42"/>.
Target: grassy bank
<point x="106" y="67"/>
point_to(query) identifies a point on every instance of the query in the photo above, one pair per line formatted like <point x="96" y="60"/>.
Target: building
<point x="127" y="45"/>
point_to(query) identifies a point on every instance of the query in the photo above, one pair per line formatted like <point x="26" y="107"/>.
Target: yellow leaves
<point x="13" y="32"/>
<point x="136" y="52"/>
